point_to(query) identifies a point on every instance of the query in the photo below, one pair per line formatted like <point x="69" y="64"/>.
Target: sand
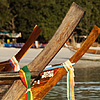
<point x="62" y="56"/>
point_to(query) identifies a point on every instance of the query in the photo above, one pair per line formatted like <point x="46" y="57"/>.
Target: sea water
<point x="87" y="85"/>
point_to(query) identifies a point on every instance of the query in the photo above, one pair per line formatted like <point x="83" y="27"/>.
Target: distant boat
<point x="93" y="53"/>
<point x="7" y="45"/>
<point x="20" y="45"/>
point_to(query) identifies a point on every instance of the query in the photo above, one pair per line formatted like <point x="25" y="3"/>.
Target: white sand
<point x="62" y="56"/>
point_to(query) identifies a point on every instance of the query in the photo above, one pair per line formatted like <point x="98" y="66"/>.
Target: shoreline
<point x="63" y="55"/>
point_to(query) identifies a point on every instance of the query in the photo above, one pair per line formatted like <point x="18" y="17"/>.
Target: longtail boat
<point x="63" y="33"/>
<point x="6" y="66"/>
<point x="53" y="73"/>
<point x="50" y="76"/>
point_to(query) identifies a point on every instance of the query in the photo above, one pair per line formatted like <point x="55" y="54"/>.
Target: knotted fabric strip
<point x="14" y="63"/>
<point x="70" y="80"/>
<point x="25" y="76"/>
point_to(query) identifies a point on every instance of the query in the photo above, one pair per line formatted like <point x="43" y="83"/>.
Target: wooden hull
<point x="41" y="83"/>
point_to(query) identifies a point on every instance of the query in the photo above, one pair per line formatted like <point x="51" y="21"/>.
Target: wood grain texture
<point x="61" y="71"/>
<point x="64" y="31"/>
<point x="62" y="34"/>
<point x="5" y="66"/>
<point x="14" y="75"/>
<point x="6" y="82"/>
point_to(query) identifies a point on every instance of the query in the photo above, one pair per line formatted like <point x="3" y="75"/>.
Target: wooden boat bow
<point x="63" y="33"/>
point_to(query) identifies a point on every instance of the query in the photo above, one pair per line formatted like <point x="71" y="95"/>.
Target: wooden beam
<point x="14" y="75"/>
<point x="61" y="71"/>
<point x="62" y="34"/>
<point x="64" y="31"/>
<point x="5" y="82"/>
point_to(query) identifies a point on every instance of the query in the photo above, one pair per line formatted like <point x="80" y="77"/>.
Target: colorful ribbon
<point x="14" y="63"/>
<point x="70" y="80"/>
<point x="25" y="76"/>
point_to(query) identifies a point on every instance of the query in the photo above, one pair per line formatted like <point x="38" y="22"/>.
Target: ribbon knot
<point x="25" y="76"/>
<point x="28" y="90"/>
<point x="14" y="63"/>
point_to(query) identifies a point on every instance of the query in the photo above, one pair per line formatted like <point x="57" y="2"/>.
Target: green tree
<point x="22" y="16"/>
<point x="4" y="14"/>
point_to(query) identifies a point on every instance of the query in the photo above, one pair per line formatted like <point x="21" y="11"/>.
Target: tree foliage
<point x="23" y="15"/>
<point x="4" y="14"/>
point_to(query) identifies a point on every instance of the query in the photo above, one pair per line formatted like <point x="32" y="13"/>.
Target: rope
<point x="70" y="80"/>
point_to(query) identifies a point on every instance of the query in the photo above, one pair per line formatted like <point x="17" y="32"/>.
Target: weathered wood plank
<point x="14" y="75"/>
<point x="62" y="34"/>
<point x="5" y="82"/>
<point x="64" y="31"/>
<point x="5" y="66"/>
<point x="61" y="71"/>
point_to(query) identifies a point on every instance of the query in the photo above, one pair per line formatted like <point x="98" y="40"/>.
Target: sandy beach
<point x="62" y="56"/>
